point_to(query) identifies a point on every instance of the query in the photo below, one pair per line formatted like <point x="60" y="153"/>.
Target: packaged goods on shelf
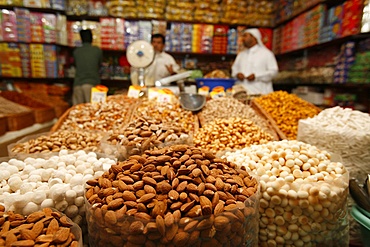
<point x="37" y="3"/>
<point x="232" y="41"/>
<point x="193" y="214"/>
<point x="37" y="34"/>
<point x="23" y="24"/>
<point x="180" y="37"/>
<point x="61" y="30"/>
<point x="131" y="32"/>
<point x="77" y="7"/>
<point x="352" y="17"/>
<point x="97" y="8"/>
<point x="145" y="30"/>
<point x="38" y="68"/>
<point x="151" y="9"/>
<point x="219" y="42"/>
<point x="206" y="11"/>
<point x="344" y="61"/>
<point x="25" y="56"/>
<point x="8" y="25"/>
<point x="159" y="27"/>
<point x="58" y="4"/>
<point x="359" y="70"/>
<point x="112" y="33"/>
<point x="44" y="221"/>
<point x="286" y="110"/>
<point x="10" y="61"/>
<point x="122" y="9"/>
<point x="346" y="132"/>
<point x="233" y="11"/>
<point x="303" y="193"/>
<point x="202" y="38"/>
<point x="179" y="11"/>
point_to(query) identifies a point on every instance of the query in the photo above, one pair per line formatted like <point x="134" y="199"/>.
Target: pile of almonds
<point x="174" y="196"/>
<point x="230" y="134"/>
<point x="144" y="134"/>
<point x="59" y="140"/>
<point x="42" y="228"/>
<point x="168" y="113"/>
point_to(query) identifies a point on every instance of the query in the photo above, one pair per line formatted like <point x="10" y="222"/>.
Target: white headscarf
<point x="255" y="33"/>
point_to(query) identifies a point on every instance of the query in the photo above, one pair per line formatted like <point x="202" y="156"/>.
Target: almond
<point x="115" y="204"/>
<point x="169" y="219"/>
<point x="173" y="195"/>
<point x="47" y="211"/>
<point x="136" y="167"/>
<point x="196" y="172"/>
<point x="187" y="206"/>
<point x="53" y="227"/>
<point x="191" y="226"/>
<point x="160" y="224"/>
<point x="146" y="198"/>
<point x="179" y="148"/>
<point x="150" y="181"/>
<point x="23" y="243"/>
<point x="219" y="184"/>
<point x="62" y="235"/>
<point x="64" y="221"/>
<point x="110" y="217"/>
<point x="137" y="227"/>
<point x="128" y="196"/>
<point x="149" y="189"/>
<point x="36" y="216"/>
<point x="163" y="187"/>
<point x="144" y="216"/>
<point x="150" y="227"/>
<point x="171" y="232"/>
<point x="182" y="186"/>
<point x="109" y="191"/>
<point x="45" y="238"/>
<point x="193" y="238"/>
<point x="163" y="158"/>
<point x="181" y="239"/>
<point x="28" y="234"/>
<point x="205" y="224"/>
<point x="221" y="222"/>
<point x="10" y="238"/>
<point x="196" y="211"/>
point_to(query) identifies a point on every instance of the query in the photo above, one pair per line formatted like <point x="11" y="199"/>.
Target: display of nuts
<point x="228" y="107"/>
<point x="287" y="109"/>
<point x="56" y="141"/>
<point x="303" y="194"/>
<point x="41" y="228"/>
<point x="143" y="134"/>
<point x="103" y="116"/>
<point x="229" y="134"/>
<point x="181" y="209"/>
<point x="168" y="113"/>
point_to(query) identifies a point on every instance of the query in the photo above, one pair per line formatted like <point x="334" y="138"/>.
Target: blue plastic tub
<point x="214" y="82"/>
<point x="363" y="218"/>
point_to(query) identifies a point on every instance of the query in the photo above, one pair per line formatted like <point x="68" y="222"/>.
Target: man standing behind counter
<point x="87" y="59"/>
<point x="164" y="64"/>
<point x="256" y="65"/>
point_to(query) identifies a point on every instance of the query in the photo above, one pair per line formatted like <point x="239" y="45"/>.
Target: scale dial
<point x="140" y="54"/>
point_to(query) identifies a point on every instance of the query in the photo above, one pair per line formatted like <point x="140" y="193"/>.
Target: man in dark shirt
<point x="87" y="59"/>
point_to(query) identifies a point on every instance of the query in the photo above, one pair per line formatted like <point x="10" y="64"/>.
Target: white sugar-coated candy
<point x="79" y="190"/>
<point x="70" y="168"/>
<point x="39" y="197"/>
<point x="17" y="163"/>
<point x="63" y="152"/>
<point x="71" y="211"/>
<point x="48" y="203"/>
<point x="67" y="177"/>
<point x="26" y="187"/>
<point x="87" y="177"/>
<point x="91" y="159"/>
<point x="79" y="201"/>
<point x="12" y="169"/>
<point x="88" y="171"/>
<point x="28" y="168"/>
<point x="58" y="192"/>
<point x="82" y="157"/>
<point x="54" y="181"/>
<point x="60" y="174"/>
<point x="92" y="155"/>
<point x="15" y="183"/>
<point x="81" y="168"/>
<point x="70" y="196"/>
<point x="61" y="205"/>
<point x="20" y="201"/>
<point x="30" y="208"/>
<point x="99" y="173"/>
<point x="4" y="175"/>
<point x="49" y="164"/>
<point x="45" y="175"/>
<point x="97" y="165"/>
<point x="75" y="180"/>
<point x="106" y="166"/>
<point x="34" y="178"/>
<point x="61" y="164"/>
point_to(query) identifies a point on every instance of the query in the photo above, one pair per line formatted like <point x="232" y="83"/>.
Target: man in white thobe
<point x="255" y="66"/>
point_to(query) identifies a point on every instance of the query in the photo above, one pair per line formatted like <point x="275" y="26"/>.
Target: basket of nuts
<point x="42" y="228"/>
<point x="174" y="196"/>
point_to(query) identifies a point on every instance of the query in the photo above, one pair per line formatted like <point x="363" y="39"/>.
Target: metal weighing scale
<point x="140" y="54"/>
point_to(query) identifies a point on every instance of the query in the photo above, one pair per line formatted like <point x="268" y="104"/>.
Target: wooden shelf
<point x="33" y="9"/>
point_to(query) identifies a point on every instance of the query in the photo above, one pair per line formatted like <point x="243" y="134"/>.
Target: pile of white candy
<point x="304" y="194"/>
<point x="58" y="182"/>
<point x="341" y="131"/>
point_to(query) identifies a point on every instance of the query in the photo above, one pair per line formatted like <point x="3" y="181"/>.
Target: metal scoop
<point x="192" y="101"/>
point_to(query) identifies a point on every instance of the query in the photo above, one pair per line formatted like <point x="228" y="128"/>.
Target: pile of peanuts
<point x="227" y="107"/>
<point x="168" y="113"/>
<point x="175" y="196"/>
<point x="230" y="134"/>
<point x="59" y="140"/>
<point x="103" y="116"/>
<point x="143" y="134"/>
<point x="41" y="228"/>
<point x="286" y="110"/>
<point x="304" y="194"/>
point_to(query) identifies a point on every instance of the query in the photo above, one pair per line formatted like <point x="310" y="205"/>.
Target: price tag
<point x="165" y="96"/>
<point x="218" y="92"/>
<point x="99" y="94"/>
<point x="153" y="93"/>
<point x="134" y="91"/>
